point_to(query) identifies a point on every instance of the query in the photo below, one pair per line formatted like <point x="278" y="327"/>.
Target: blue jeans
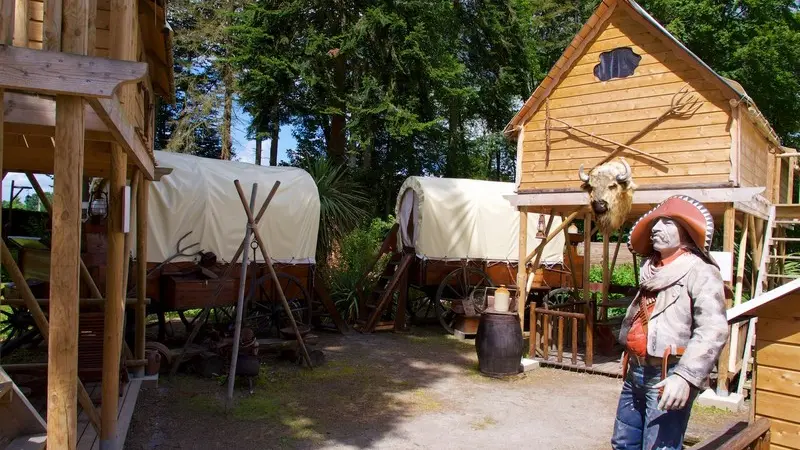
<point x="640" y="425"/>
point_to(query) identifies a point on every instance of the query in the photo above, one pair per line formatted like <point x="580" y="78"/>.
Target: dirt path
<point x="389" y="391"/>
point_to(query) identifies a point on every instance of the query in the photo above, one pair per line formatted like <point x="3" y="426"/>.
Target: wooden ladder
<point x="21" y="426"/>
<point x="770" y="271"/>
<point x="393" y="279"/>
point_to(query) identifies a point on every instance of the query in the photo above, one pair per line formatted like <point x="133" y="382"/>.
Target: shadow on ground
<point x="369" y="385"/>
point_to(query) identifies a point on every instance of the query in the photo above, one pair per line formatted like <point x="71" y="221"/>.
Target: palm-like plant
<point x="342" y="202"/>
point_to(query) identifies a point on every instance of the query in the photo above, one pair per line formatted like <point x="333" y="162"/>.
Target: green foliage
<point x="756" y="43"/>
<point x="622" y="275"/>
<point x="357" y="250"/>
<point x="341" y="201"/>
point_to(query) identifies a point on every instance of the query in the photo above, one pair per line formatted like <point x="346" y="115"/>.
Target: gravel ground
<point x="389" y="391"/>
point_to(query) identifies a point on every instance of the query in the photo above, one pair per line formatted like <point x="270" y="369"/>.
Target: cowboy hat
<point x="688" y="212"/>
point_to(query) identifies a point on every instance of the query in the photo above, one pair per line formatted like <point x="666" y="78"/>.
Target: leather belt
<point x="653" y="361"/>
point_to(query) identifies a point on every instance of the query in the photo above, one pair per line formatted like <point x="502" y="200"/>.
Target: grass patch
<point x="483" y="424"/>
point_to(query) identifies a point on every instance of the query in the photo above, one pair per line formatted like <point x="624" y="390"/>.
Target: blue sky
<point x="244" y="149"/>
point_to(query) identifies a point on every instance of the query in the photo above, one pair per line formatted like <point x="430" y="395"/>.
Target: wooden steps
<point x="787" y="211"/>
<point x="19" y="420"/>
<point x="32" y="442"/>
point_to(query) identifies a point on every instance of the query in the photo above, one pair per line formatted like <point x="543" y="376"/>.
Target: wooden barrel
<point x="499" y="344"/>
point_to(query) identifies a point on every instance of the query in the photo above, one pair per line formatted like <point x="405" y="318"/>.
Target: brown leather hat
<point x="691" y="214"/>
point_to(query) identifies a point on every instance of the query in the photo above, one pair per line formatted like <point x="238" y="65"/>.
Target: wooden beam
<point x="728" y="242"/>
<point x="114" y="308"/>
<point x="84" y="302"/>
<point x="551" y="235"/>
<point x="36" y="115"/>
<point x="640" y="197"/>
<point x="587" y="293"/>
<point x="110" y="112"/>
<point x="142" y="201"/>
<point x="522" y="272"/>
<point x="56" y="73"/>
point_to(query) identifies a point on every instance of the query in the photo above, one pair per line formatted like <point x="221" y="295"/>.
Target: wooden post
<point x="546" y="336"/>
<point x="606" y="268"/>
<point x="790" y="186"/>
<point x="402" y="299"/>
<point x="532" y="338"/>
<point x="62" y="368"/>
<point x="522" y="273"/>
<point x="142" y="199"/>
<point x="587" y="263"/>
<point x="6" y="37"/>
<point x="574" y="341"/>
<point x="21" y="23"/>
<point x="741" y="257"/>
<point x="114" y="299"/>
<point x="728" y="242"/>
<point x="560" y="338"/>
<point x="122" y="46"/>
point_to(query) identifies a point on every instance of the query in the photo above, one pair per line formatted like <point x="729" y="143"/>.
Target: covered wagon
<point x="454" y="239"/>
<point x="197" y="205"/>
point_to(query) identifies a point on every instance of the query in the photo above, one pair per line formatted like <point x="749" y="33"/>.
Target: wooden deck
<point x="602" y="365"/>
<point x="87" y="436"/>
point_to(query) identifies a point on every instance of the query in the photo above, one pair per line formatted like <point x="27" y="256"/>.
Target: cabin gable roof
<point x="590" y="31"/>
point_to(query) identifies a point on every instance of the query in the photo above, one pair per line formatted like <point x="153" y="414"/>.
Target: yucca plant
<point x="342" y="202"/>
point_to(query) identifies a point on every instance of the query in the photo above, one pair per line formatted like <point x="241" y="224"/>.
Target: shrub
<point x="623" y="275"/>
<point x="352" y="257"/>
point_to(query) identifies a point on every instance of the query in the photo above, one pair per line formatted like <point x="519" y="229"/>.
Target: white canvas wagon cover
<point x="458" y="218"/>
<point x="199" y="196"/>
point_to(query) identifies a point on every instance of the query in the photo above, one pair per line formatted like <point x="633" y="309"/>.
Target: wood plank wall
<point x="131" y="96"/>
<point x="699" y="148"/>
<point x="755" y="157"/>
<point x="778" y="370"/>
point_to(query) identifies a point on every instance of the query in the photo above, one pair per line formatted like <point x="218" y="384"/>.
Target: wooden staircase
<point x="773" y="255"/>
<point x="392" y="280"/>
<point x="21" y="426"/>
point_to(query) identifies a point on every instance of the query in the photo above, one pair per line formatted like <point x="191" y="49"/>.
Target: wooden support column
<point x="21" y="23"/>
<point x="65" y="29"/>
<point x="728" y="243"/>
<point x="142" y="200"/>
<point x="521" y="272"/>
<point x="114" y="300"/>
<point x="62" y="374"/>
<point x="587" y="293"/>
<point x="122" y="25"/>
<point x="790" y="182"/>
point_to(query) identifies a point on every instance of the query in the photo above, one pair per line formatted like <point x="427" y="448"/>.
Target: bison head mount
<point x="610" y="187"/>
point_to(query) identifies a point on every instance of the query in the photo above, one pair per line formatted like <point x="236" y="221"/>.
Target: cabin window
<point x="618" y="63"/>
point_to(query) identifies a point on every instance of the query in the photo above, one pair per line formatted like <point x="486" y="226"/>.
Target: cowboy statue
<point x="674" y="329"/>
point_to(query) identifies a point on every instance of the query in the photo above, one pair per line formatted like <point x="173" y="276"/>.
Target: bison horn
<point x="625" y="176"/>
<point x="582" y="175"/>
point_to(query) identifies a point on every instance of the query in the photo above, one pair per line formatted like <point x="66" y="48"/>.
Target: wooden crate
<point x="191" y="291"/>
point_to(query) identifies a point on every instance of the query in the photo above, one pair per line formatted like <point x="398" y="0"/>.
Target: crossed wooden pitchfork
<point x="684" y="104"/>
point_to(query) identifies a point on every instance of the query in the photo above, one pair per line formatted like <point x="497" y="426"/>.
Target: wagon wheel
<point x="264" y="310"/>
<point x="17" y="328"/>
<point x="459" y="285"/>
<point x="419" y="306"/>
<point x="559" y="296"/>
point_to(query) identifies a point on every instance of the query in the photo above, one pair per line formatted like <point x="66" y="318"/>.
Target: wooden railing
<point x="740" y="436"/>
<point x="556" y="321"/>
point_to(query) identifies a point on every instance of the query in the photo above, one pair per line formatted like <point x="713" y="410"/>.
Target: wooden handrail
<point x="551" y="312"/>
<point x="739" y="436"/>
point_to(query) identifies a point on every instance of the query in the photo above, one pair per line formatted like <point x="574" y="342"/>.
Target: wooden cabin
<point x="78" y="85"/>
<point x="626" y="87"/>
<point x="775" y="389"/>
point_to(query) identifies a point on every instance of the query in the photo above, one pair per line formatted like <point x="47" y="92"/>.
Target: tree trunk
<point x="451" y="165"/>
<point x="227" y="115"/>
<point x="337" y="142"/>
<point x="258" y="151"/>
<point x="273" y="145"/>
